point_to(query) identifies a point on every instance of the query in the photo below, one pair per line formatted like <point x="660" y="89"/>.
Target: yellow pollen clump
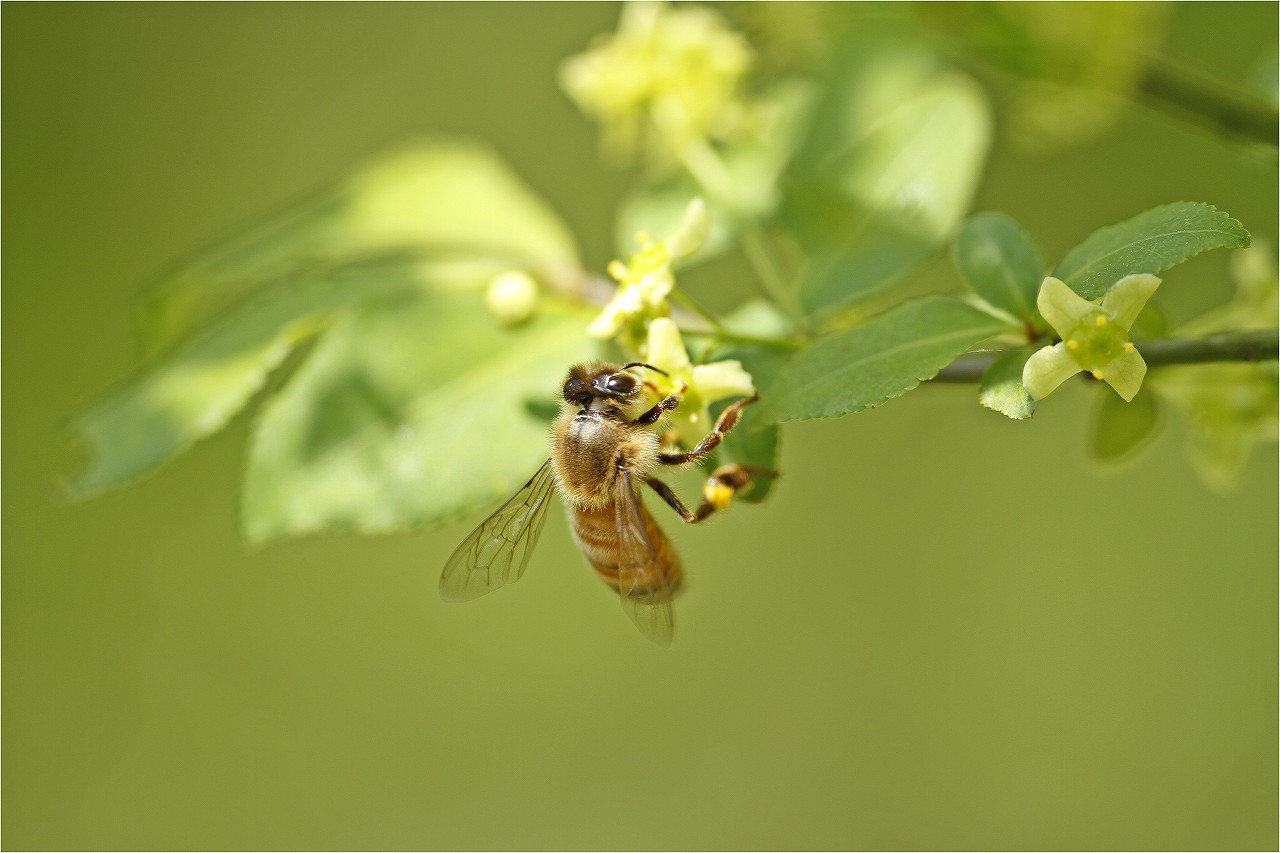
<point x="617" y="269"/>
<point x="1100" y="320"/>
<point x="717" y="494"/>
<point x="1128" y="346"/>
<point x="1073" y="344"/>
<point x="1097" y="374"/>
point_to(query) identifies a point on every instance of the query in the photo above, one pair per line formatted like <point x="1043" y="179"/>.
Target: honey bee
<point x="601" y="451"/>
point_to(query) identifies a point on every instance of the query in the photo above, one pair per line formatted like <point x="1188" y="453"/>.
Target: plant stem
<point x="750" y="340"/>
<point x="757" y="253"/>
<point x="1230" y="346"/>
<point x="687" y="301"/>
<point x="709" y="171"/>
<point x="705" y="166"/>
<point x="688" y="314"/>
<point x="1191" y="94"/>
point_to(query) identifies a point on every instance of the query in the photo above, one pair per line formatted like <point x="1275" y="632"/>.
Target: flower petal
<point x="1127" y="296"/>
<point x="665" y="348"/>
<point x="624" y="305"/>
<point x="722" y="379"/>
<point x="606" y="324"/>
<point x="1047" y="369"/>
<point x="1061" y="306"/>
<point x="1125" y="373"/>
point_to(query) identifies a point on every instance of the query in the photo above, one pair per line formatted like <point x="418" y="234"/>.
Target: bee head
<point x="588" y="382"/>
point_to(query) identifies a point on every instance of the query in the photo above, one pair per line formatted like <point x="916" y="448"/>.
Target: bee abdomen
<point x="596" y="534"/>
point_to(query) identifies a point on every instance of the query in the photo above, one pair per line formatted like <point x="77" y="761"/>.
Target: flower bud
<point x="511" y="297"/>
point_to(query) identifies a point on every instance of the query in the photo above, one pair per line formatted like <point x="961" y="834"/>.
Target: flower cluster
<point x="667" y="75"/>
<point x="646" y="279"/>
<point x="638" y="318"/>
<point x="698" y="384"/>
<point x="1095" y="336"/>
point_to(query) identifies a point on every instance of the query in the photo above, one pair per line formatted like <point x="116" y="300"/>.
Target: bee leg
<point x="724" y="482"/>
<point x="727" y="421"/>
<point x="659" y="409"/>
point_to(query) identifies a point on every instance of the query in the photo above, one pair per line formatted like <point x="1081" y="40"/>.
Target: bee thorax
<point x="586" y="453"/>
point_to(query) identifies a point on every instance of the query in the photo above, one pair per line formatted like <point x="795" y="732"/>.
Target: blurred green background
<point x="930" y="636"/>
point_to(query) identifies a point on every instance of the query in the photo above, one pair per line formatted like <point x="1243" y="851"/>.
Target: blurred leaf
<point x="432" y="196"/>
<point x="887" y="171"/>
<point x="1002" y="390"/>
<point x="409" y="411"/>
<point x="757" y="317"/>
<point x="1001" y="263"/>
<point x="1264" y="76"/>
<point x="1230" y="408"/>
<point x="193" y="391"/>
<point x="1150" y="242"/>
<point x="1067" y="68"/>
<point x="1255" y="303"/>
<point x="542" y="408"/>
<point x="1121" y="429"/>
<point x="890" y="354"/>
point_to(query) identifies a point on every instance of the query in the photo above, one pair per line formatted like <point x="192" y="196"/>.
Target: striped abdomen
<point x="595" y="531"/>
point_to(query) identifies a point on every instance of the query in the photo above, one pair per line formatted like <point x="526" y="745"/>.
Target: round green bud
<point x="511" y="297"/>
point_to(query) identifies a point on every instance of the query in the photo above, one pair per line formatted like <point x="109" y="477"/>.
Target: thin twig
<point x="1191" y="94"/>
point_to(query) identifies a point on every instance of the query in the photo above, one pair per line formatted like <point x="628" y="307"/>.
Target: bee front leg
<point x="658" y="410"/>
<point x="724" y="482"/>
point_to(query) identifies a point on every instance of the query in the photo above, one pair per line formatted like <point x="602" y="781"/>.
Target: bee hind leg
<point x="724" y="482"/>
<point x="727" y="421"/>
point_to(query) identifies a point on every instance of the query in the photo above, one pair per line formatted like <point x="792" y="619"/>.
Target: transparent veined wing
<point x="496" y="552"/>
<point x="645" y="566"/>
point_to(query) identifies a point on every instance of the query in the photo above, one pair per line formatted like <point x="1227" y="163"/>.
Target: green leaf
<point x="1121" y="429"/>
<point x="1002" y="390"/>
<point x="1150" y="242"/>
<point x="887" y="172"/>
<point x="1001" y="263"/>
<point x="747" y="446"/>
<point x="194" y="390"/>
<point x="890" y="354"/>
<point x="433" y="197"/>
<point x="407" y="412"/>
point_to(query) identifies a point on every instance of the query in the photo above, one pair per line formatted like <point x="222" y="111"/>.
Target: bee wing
<point x="496" y="552"/>
<point x="638" y="567"/>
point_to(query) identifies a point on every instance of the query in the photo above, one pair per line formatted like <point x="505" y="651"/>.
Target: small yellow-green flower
<point x="1095" y="336"/>
<point x="667" y="75"/>
<point x="698" y="384"/>
<point x="646" y="279"/>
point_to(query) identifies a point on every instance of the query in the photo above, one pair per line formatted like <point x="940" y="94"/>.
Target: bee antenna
<point x="643" y="364"/>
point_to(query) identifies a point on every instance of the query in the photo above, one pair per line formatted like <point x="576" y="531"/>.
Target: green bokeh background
<point x="945" y="629"/>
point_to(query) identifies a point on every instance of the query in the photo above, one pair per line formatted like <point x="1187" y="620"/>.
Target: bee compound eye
<point x="621" y="384"/>
<point x="575" y="390"/>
